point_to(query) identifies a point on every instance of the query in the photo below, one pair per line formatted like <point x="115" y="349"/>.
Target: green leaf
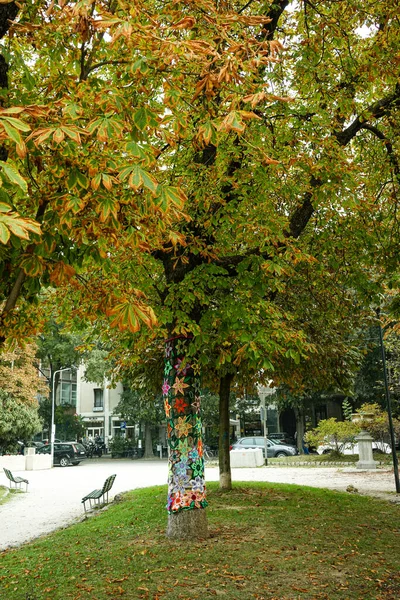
<point x="76" y="178"/>
<point x="175" y="196"/>
<point x="135" y="179"/>
<point x="17" y="123"/>
<point x="75" y="204"/>
<point x="140" y="118"/>
<point x="144" y="118"/>
<point x="11" y="132"/>
<point x="125" y="172"/>
<point x="4" y="233"/>
<point x="13" y="175"/>
<point x="149" y="181"/>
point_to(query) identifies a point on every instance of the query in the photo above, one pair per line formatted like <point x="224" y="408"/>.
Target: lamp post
<point x="262" y="393"/>
<point x="389" y="411"/>
<point x="53" y="425"/>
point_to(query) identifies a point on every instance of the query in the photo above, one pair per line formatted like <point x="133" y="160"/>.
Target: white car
<point x="348" y="449"/>
<point x="377" y="447"/>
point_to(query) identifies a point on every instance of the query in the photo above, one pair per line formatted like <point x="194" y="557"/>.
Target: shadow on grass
<point x="267" y="541"/>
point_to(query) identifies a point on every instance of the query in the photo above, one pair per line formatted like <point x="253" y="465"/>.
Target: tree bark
<point x="186" y="484"/>
<point x="188" y="524"/>
<point x="225" y="478"/>
<point x="148" y="442"/>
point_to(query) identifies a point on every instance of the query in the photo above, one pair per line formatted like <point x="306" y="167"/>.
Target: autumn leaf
<point x="32" y="265"/>
<point x="128" y="315"/>
<point x="61" y="273"/>
<point x="12" y="223"/>
<point x="185" y="23"/>
<point x="233" y="122"/>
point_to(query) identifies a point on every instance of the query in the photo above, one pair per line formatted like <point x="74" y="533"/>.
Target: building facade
<point x="96" y="404"/>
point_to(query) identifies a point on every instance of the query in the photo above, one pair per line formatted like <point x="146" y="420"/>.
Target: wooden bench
<point x="16" y="480"/>
<point x="99" y="494"/>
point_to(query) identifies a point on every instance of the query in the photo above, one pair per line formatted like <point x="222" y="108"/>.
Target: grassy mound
<point x="268" y="541"/>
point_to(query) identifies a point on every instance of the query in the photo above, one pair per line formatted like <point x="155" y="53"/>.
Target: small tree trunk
<point x="186" y="483"/>
<point x="225" y="478"/>
<point x="148" y="442"/>
<point x="300" y="428"/>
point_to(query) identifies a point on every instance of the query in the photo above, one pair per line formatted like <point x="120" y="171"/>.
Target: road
<point x="54" y="496"/>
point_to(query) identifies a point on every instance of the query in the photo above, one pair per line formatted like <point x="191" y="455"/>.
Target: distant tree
<point x="141" y="406"/>
<point x="19" y="388"/>
<point x="70" y="426"/>
<point x="57" y="349"/>
<point x="97" y="366"/>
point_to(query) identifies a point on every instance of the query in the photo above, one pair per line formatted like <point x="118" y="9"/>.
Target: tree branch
<point x="375" y="111"/>
<point x="8" y="12"/>
<point x="388" y="145"/>
<point x="275" y="14"/>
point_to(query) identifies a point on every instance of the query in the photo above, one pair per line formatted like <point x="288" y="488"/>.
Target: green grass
<point x="268" y="541"/>
<point x="4" y="495"/>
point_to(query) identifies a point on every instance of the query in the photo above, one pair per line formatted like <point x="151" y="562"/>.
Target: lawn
<point x="268" y="541"/>
<point x="3" y="494"/>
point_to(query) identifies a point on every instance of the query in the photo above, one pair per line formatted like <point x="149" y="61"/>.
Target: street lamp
<point x="262" y="393"/>
<point x="53" y="425"/>
<point x="389" y="411"/>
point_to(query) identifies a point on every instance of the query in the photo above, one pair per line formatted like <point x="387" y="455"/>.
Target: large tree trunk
<point x="225" y="479"/>
<point x="186" y="484"/>
<point x="148" y="442"/>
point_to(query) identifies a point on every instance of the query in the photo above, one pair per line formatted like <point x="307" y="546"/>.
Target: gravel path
<point x="54" y="496"/>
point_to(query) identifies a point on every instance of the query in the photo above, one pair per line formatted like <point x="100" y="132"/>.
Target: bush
<point x="334" y="432"/>
<point x="378" y="426"/>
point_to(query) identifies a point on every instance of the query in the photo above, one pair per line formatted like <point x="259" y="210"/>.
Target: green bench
<point x="99" y="495"/>
<point x="16" y="480"/>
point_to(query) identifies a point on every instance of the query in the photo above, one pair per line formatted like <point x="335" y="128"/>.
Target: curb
<point x="320" y="464"/>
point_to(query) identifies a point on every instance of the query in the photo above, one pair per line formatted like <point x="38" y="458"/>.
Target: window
<point x="68" y="393"/>
<point x="98" y="399"/>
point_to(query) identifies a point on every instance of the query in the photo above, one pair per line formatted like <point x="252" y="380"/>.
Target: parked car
<point x="282" y="437"/>
<point x="34" y="444"/>
<point x="65" y="453"/>
<point x="274" y="449"/>
<point x="348" y="449"/>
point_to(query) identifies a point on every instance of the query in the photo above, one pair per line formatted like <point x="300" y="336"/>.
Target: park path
<point x="54" y="496"/>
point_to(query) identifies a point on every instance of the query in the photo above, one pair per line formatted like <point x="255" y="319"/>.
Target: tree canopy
<point x="222" y="171"/>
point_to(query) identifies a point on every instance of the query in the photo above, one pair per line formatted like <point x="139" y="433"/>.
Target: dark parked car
<point x="274" y="449"/>
<point x="65" y="453"/>
<point x="282" y="437"/>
